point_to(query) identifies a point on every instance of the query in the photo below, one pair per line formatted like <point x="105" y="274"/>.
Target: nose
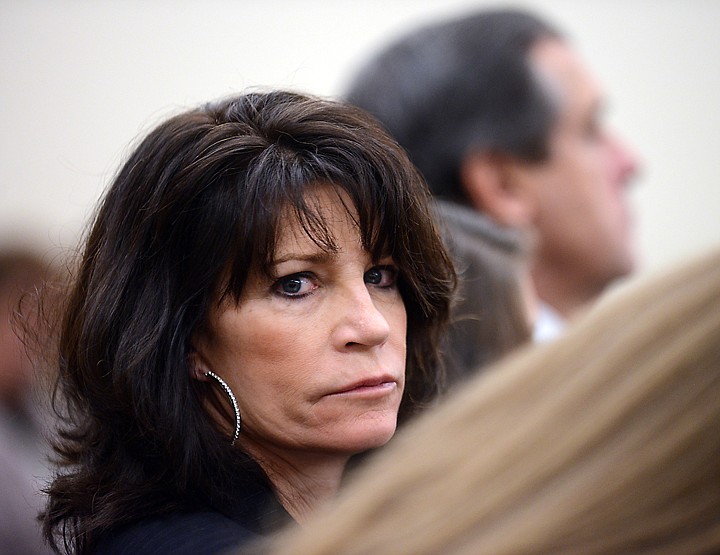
<point x="627" y="163"/>
<point x="360" y="323"/>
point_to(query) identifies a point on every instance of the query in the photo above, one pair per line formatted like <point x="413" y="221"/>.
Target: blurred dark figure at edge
<point x="22" y="413"/>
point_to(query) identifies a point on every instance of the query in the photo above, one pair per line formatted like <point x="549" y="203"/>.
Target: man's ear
<point x="198" y="366"/>
<point x="494" y="187"/>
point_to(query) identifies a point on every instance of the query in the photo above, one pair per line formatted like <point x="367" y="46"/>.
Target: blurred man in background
<point x="503" y="118"/>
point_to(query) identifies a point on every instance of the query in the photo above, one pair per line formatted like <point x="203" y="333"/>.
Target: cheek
<point x="393" y="310"/>
<point x="281" y="354"/>
<point x="576" y="185"/>
<point x="397" y="319"/>
<point x="402" y="328"/>
<point x="577" y="161"/>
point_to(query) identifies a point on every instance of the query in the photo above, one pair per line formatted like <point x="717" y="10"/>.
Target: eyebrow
<point x="315" y="257"/>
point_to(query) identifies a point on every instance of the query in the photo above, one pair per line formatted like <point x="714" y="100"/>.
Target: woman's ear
<point x="492" y="185"/>
<point x="198" y="366"/>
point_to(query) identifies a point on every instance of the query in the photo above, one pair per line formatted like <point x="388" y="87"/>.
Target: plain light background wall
<point x="80" y="80"/>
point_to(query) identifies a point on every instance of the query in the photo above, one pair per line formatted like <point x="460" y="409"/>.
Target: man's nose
<point x="627" y="161"/>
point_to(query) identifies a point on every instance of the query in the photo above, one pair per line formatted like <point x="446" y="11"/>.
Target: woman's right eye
<point x="294" y="285"/>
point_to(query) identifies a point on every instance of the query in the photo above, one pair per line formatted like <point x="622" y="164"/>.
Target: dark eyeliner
<point x="277" y="285"/>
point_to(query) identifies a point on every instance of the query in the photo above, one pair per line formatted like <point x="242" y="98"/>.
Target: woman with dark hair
<point x="260" y="298"/>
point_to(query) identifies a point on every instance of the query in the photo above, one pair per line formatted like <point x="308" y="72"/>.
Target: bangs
<point x="277" y="190"/>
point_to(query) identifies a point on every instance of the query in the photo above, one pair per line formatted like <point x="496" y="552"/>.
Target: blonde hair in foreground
<point x="606" y="441"/>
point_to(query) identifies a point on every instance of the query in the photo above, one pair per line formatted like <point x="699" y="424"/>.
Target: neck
<point x="562" y="291"/>
<point x="302" y="481"/>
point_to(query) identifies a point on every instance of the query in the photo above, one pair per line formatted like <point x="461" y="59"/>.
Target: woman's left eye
<point x="295" y="285"/>
<point x="382" y="276"/>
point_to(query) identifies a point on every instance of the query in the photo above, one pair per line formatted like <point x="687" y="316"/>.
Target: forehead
<point x="333" y="220"/>
<point x="565" y="76"/>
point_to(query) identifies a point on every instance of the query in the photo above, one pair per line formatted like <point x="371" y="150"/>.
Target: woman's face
<point x="315" y="355"/>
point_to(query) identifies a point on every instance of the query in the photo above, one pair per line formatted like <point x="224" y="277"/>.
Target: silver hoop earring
<point x="226" y="388"/>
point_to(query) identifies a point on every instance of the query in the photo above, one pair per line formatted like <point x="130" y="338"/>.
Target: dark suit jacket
<point x="256" y="514"/>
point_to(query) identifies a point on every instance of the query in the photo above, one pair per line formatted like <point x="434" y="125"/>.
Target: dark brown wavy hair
<point x="200" y="199"/>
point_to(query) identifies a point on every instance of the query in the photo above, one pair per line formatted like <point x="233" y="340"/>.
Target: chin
<point x="369" y="436"/>
<point x="611" y="265"/>
<point x="624" y="265"/>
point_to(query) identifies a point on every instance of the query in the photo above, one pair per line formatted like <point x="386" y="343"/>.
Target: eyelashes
<point x="382" y="276"/>
<point x="302" y="284"/>
<point x="295" y="285"/>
